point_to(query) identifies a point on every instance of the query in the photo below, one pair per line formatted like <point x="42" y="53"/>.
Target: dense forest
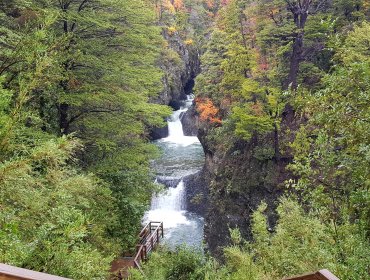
<point x="282" y="108"/>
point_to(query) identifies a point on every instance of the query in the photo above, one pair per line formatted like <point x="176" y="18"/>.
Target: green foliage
<point x="76" y="70"/>
<point x="333" y="165"/>
<point x="248" y="122"/>
<point x="182" y="263"/>
<point x="53" y="218"/>
<point x="245" y="69"/>
<point x="300" y="243"/>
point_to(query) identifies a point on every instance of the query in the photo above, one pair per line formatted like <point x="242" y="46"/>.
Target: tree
<point x="300" y="10"/>
<point x="331" y="150"/>
<point x="300" y="242"/>
<point x="86" y="68"/>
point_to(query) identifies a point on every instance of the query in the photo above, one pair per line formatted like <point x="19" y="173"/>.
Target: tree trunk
<point x="63" y="118"/>
<point x="276" y="142"/>
<point x="295" y="61"/>
<point x="300" y="19"/>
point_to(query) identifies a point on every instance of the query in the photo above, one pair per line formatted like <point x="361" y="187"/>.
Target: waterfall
<point x="175" y="129"/>
<point x="169" y="207"/>
<point x="183" y="155"/>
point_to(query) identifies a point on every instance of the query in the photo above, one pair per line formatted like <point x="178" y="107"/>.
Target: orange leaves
<point x="257" y="109"/>
<point x="210" y="4"/>
<point x="178" y="5"/>
<point x="73" y="83"/>
<point x="207" y="110"/>
<point x="262" y="61"/>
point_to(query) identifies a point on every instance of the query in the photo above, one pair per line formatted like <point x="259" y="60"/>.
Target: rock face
<point x="180" y="64"/>
<point x="240" y="179"/>
<point x="168" y="182"/>
<point x="159" y="132"/>
<point x="196" y="193"/>
<point x="188" y="121"/>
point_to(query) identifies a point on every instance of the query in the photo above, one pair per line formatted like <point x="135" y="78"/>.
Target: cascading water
<point x="182" y="156"/>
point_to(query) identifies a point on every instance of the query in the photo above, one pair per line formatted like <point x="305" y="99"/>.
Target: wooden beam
<point x="8" y="272"/>
<point x="323" y="274"/>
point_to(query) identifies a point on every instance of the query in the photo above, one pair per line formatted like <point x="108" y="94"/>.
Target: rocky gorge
<point x="254" y="173"/>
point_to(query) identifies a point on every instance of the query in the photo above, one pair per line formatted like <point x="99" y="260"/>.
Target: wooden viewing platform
<point x="149" y="238"/>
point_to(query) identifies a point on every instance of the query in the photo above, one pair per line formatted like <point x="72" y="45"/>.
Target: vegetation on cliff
<point x="288" y="81"/>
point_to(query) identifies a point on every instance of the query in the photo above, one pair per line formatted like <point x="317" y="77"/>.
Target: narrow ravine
<point x="182" y="156"/>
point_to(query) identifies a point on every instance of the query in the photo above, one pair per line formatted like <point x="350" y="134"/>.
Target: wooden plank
<point x="8" y="272"/>
<point x="323" y="274"/>
<point x="328" y="275"/>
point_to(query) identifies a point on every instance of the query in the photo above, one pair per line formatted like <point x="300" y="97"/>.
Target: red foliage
<point x="207" y="110"/>
<point x="224" y="2"/>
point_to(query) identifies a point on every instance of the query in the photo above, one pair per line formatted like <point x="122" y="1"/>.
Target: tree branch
<point x="74" y="118"/>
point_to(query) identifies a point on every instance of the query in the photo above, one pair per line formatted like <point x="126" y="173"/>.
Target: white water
<point x="169" y="208"/>
<point x="183" y="155"/>
<point x="175" y="130"/>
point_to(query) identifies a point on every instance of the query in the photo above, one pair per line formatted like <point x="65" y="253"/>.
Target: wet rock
<point x="196" y="193"/>
<point x="175" y="104"/>
<point x="189" y="122"/>
<point x="159" y="133"/>
<point x="180" y="66"/>
<point x="168" y="182"/>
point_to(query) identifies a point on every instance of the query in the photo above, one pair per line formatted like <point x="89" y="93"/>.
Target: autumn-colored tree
<point x="178" y="5"/>
<point x="207" y="110"/>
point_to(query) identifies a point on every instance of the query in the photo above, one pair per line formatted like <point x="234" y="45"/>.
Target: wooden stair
<point x="149" y="238"/>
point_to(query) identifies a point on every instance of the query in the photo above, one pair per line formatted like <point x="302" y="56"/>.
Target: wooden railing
<point x="323" y="274"/>
<point x="8" y="272"/>
<point x="149" y="236"/>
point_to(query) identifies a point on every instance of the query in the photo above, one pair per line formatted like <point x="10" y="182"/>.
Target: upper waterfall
<point x="175" y="129"/>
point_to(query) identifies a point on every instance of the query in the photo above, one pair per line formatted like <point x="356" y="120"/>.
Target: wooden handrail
<point x="323" y="274"/>
<point x="149" y="237"/>
<point x="8" y="272"/>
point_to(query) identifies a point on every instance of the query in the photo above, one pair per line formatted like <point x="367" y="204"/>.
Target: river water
<point x="182" y="156"/>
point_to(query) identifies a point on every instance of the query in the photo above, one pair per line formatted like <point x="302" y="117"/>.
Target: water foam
<point x="169" y="207"/>
<point x="175" y="129"/>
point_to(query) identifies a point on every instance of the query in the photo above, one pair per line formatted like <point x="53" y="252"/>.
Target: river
<point x="182" y="156"/>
